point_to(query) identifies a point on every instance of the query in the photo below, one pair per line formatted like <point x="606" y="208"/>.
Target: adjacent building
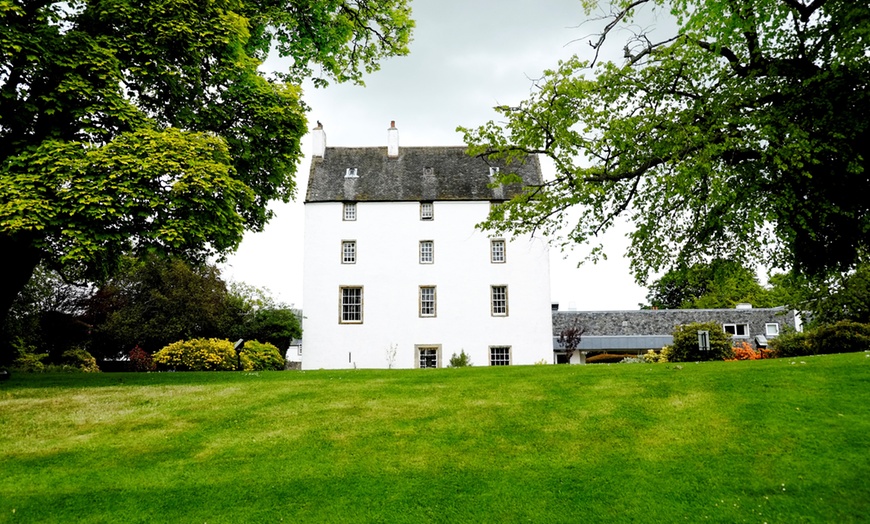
<point x="640" y="330"/>
<point x="397" y="275"/>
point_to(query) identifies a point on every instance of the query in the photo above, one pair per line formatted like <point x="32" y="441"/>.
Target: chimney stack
<point x="392" y="140"/>
<point x="319" y="140"/>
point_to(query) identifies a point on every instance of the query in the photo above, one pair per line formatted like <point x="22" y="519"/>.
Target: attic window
<point x="351" y="173"/>
<point x="493" y="171"/>
<point x="427" y="211"/>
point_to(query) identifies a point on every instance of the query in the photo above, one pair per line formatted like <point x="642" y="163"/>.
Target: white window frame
<point x="351" y="172"/>
<point x="770" y="333"/>
<point x="427" y="251"/>
<point x="498" y="300"/>
<point x="350" y="304"/>
<point x="496" y="255"/>
<point x="428" y="349"/>
<point x="348" y="252"/>
<point x="349" y="211"/>
<point x="500" y="355"/>
<point x="734" y="330"/>
<point x="427" y="211"/>
<point x="427" y="301"/>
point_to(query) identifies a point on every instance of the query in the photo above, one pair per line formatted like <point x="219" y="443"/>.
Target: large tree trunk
<point x="20" y="258"/>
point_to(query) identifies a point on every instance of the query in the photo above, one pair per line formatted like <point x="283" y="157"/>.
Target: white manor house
<point x="395" y="272"/>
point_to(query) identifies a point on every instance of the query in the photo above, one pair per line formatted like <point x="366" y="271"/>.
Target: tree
<point x="129" y="127"/>
<point x="44" y="316"/>
<point x="741" y="135"/>
<point x="718" y="284"/>
<point x="155" y="301"/>
<point x="570" y="337"/>
<point x="844" y="299"/>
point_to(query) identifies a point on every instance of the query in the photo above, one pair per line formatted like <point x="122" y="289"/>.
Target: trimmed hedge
<point x="843" y="337"/>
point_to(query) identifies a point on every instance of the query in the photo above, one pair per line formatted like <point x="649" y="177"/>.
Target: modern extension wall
<point x="388" y="268"/>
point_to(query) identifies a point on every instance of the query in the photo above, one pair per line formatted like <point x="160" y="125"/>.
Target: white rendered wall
<point x="388" y="269"/>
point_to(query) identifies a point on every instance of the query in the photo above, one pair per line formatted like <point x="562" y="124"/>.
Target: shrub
<point x="199" y="354"/>
<point x="140" y="360"/>
<point x="605" y="358"/>
<point x="29" y="362"/>
<point x="460" y="361"/>
<point x="744" y="351"/>
<point x="843" y="337"/>
<point x="632" y="360"/>
<point x="80" y="359"/>
<point x="651" y="357"/>
<point x="261" y="356"/>
<point x="791" y="344"/>
<point x="685" y="347"/>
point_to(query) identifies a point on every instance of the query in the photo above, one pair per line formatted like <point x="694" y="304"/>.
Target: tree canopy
<point x="130" y="126"/>
<point x="740" y="135"/>
<point x="717" y="284"/>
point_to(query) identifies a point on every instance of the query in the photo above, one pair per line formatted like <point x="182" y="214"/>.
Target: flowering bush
<point x="198" y="354"/>
<point x="259" y="356"/>
<point x="746" y="352"/>
<point x="140" y="360"/>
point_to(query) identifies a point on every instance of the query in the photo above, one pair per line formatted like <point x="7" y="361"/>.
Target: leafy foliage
<point x="80" y="359"/>
<point x="258" y="356"/>
<point x="741" y="136"/>
<point x="128" y="127"/>
<point x="842" y="337"/>
<point x="685" y="347"/>
<point x="199" y="354"/>
<point x="154" y="301"/>
<point x="461" y="360"/>
<point x="717" y="284"/>
<point x="791" y="344"/>
<point x="140" y="360"/>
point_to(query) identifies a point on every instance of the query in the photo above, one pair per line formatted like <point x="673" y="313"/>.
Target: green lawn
<point x="765" y="441"/>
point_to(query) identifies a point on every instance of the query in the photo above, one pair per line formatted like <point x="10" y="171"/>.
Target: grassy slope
<point x="767" y="441"/>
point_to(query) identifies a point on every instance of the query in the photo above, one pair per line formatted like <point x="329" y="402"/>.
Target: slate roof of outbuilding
<point x="454" y="175"/>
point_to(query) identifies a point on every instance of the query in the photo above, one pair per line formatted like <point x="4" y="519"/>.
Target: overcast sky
<point x="466" y="57"/>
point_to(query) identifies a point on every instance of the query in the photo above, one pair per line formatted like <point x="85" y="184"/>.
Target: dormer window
<point x="427" y="211"/>
<point x="351" y="173"/>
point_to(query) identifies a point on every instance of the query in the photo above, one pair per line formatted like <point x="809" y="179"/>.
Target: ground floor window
<point x="771" y="329"/>
<point x="428" y="356"/>
<point x="351" y="305"/>
<point x="499" y="356"/>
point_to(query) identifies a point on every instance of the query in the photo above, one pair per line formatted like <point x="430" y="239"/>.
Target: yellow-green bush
<point x="80" y="359"/>
<point x="260" y="356"/>
<point x="199" y="354"/>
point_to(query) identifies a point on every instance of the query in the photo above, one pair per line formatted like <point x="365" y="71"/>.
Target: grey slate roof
<point x="663" y="321"/>
<point x="417" y="174"/>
